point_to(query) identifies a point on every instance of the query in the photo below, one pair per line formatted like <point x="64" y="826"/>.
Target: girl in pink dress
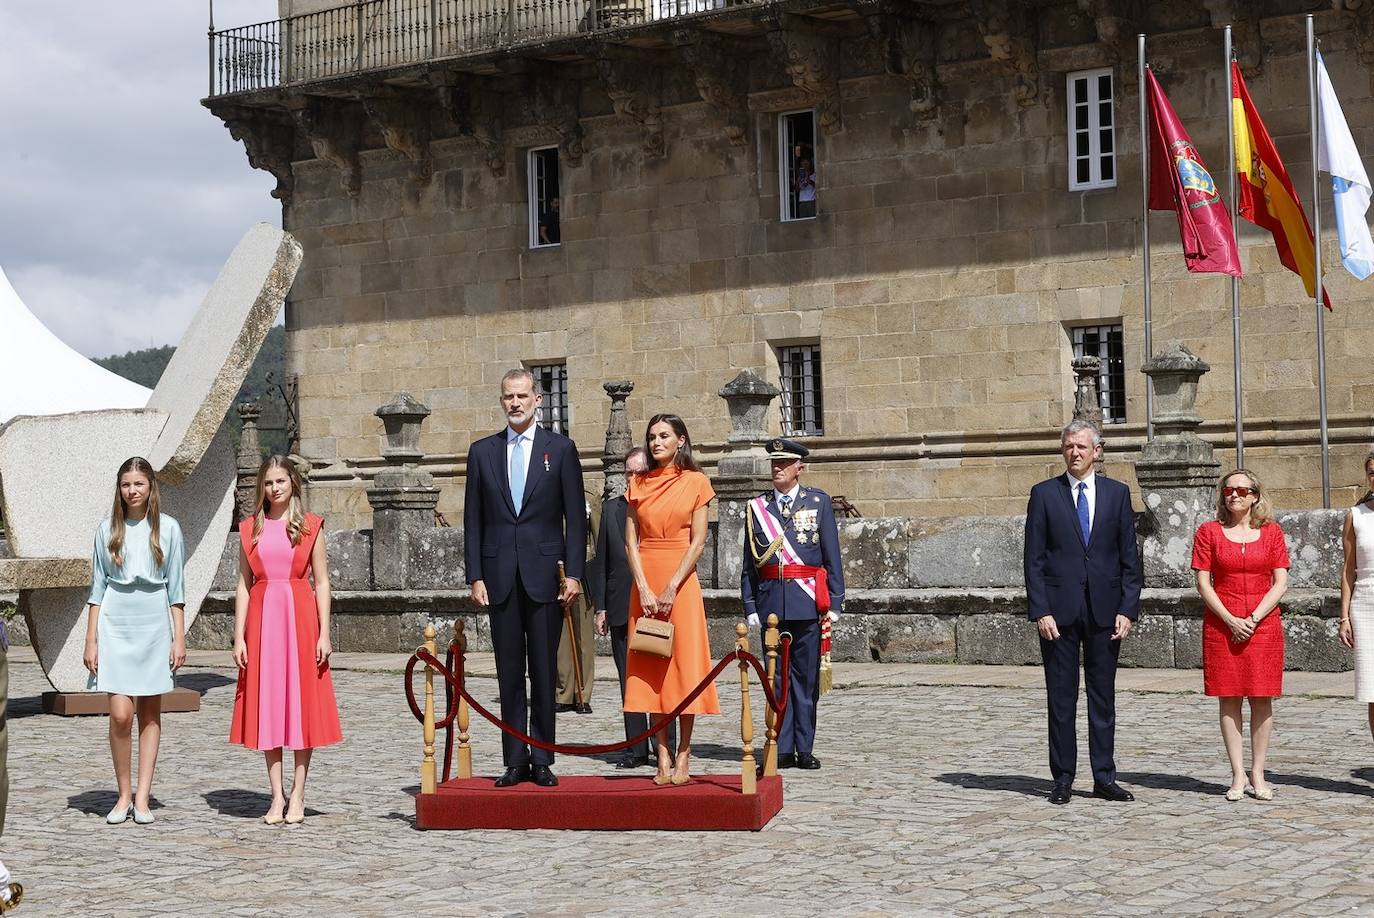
<point x="285" y="696"/>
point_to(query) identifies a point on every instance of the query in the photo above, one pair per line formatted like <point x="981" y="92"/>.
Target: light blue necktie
<point x="517" y="473"/>
<point x="1083" y="511"/>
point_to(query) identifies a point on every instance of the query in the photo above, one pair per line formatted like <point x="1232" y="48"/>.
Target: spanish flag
<point x="1267" y="197"/>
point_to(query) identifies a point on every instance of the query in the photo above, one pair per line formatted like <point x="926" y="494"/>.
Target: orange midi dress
<point x="664" y="500"/>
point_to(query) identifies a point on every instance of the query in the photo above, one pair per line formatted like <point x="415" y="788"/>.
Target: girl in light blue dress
<point x="135" y="634"/>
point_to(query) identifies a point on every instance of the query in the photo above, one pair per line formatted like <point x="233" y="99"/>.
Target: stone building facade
<point x="942" y="277"/>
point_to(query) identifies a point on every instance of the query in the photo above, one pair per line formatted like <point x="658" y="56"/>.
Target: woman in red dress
<point x="1242" y="572"/>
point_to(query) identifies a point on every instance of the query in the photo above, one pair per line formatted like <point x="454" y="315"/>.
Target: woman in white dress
<point x="1357" y="590"/>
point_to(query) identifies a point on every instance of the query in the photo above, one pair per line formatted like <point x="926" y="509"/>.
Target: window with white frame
<point x="1104" y="343"/>
<point x="797" y="164"/>
<point x="800" y="368"/>
<point x="544" y="197"/>
<point x="1092" y="130"/>
<point x="551" y="379"/>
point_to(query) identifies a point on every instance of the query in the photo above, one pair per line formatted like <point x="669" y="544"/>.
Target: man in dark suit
<point x="523" y="509"/>
<point x="608" y="582"/>
<point x="792" y="568"/>
<point x="1082" y="568"/>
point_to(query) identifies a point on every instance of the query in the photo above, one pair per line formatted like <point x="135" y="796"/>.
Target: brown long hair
<point x="683" y="459"/>
<point x="118" y="513"/>
<point x="295" y="511"/>
<point x="1261" y="512"/>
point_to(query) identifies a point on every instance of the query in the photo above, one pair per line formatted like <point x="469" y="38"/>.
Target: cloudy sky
<point x="121" y="195"/>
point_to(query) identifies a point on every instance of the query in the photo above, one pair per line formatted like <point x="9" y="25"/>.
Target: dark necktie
<point x="1083" y="523"/>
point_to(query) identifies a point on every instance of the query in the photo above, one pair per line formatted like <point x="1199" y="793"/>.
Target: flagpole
<point x="1318" y="286"/>
<point x="1145" y="230"/>
<point x="1235" y="228"/>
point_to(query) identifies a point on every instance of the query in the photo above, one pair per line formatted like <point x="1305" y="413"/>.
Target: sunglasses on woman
<point x="1239" y="492"/>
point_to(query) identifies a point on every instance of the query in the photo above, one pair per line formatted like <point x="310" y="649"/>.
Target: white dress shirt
<point x="1091" y="482"/>
<point x="527" y="446"/>
<point x="778" y="495"/>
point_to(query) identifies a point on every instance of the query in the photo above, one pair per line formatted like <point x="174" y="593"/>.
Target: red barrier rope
<point x="454" y="684"/>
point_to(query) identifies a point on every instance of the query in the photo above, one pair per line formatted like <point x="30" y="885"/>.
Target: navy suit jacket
<point x="608" y="574"/>
<point x="786" y="598"/>
<point x="1068" y="579"/>
<point x="499" y="546"/>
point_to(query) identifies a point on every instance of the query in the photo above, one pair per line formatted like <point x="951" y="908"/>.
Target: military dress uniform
<point x="792" y="569"/>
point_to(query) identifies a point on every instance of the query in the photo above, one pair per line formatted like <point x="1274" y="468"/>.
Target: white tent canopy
<point x="44" y="376"/>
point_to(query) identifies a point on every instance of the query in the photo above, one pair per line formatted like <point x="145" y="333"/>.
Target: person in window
<point x="805" y="187"/>
<point x="548" y="223"/>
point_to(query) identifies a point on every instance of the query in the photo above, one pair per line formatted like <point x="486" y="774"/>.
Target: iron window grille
<point x="1105" y="343"/>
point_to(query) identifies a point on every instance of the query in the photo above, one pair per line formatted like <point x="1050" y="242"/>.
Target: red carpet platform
<point x="709" y="802"/>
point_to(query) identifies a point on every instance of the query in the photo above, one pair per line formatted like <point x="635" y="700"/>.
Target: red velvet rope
<point x="454" y="684"/>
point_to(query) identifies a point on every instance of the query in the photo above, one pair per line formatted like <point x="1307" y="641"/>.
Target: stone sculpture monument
<point x="57" y="470"/>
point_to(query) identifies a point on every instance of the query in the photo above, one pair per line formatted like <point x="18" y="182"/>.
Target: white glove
<point x="834" y="616"/>
<point x="753" y="620"/>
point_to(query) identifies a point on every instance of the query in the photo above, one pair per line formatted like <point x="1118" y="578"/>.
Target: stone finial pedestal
<point x="248" y="460"/>
<point x="1087" y="403"/>
<point x="744" y="470"/>
<point x="618" y="439"/>
<point x="403" y="496"/>
<point x="1177" y="469"/>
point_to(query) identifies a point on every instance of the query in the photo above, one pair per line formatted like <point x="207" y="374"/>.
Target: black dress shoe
<point x="632" y="761"/>
<point x="1061" y="794"/>
<point x="543" y="776"/>
<point x="564" y="708"/>
<point x="583" y="708"/>
<point x="1114" y="792"/>
<point x="514" y="775"/>
<point x="787" y="760"/>
<point x="809" y="762"/>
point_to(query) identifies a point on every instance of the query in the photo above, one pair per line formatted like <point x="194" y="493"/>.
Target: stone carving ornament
<point x="551" y="101"/>
<point x="1009" y="30"/>
<point x="907" y="48"/>
<point x="477" y="108"/>
<point x="635" y="89"/>
<point x="721" y="76"/>
<point x="269" y="141"/>
<point x="810" y="59"/>
<point x="335" y="131"/>
<point x="404" y="120"/>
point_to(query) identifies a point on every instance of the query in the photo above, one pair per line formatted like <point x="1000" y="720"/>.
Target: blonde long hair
<point x="141" y="466"/>
<point x="295" y="511"/>
<point x="1261" y="512"/>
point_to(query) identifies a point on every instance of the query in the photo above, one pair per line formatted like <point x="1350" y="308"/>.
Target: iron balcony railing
<point x="379" y="34"/>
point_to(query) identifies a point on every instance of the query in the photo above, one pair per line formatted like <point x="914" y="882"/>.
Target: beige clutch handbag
<point x="653" y="636"/>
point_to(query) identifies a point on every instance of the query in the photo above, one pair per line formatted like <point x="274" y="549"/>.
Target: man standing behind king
<point x="523" y="508"/>
<point x="1082" y="569"/>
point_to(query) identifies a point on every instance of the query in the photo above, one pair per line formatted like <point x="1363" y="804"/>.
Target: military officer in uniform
<point x="792" y="569"/>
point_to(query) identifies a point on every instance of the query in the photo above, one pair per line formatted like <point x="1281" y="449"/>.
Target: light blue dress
<point x="134" y="630"/>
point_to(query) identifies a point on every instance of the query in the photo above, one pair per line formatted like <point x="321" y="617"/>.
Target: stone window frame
<point x="1110" y="348"/>
<point x="534" y="197"/>
<point x="1085" y="130"/>
<point x="551" y="380"/>
<point x="801" y="381"/>
<point x="786" y="206"/>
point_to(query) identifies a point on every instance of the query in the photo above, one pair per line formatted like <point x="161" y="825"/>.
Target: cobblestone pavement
<point x="931" y="801"/>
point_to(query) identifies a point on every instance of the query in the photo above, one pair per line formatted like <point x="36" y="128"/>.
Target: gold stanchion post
<point x="464" y="749"/>
<point x="770" y="717"/>
<point x="747" y="779"/>
<point x="427" y="783"/>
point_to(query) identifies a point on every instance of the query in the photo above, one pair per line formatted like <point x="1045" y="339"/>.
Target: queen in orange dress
<point x="665" y="532"/>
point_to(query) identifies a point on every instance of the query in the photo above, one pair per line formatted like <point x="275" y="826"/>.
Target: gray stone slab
<point x="1150" y="643"/>
<point x="1314" y="547"/>
<point x="912" y="639"/>
<point x="1188" y="643"/>
<point x="350" y="558"/>
<point x="997" y="637"/>
<point x="967" y="552"/>
<point x="1311" y="644"/>
<point x="436" y="560"/>
<point x="874" y="553"/>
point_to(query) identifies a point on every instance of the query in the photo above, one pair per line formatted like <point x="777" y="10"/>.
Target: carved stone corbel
<point x="907" y="48"/>
<point x="477" y="108"/>
<point x="1009" y="33"/>
<point x="334" y="129"/>
<point x="721" y="76"/>
<point x="1246" y="41"/>
<point x="635" y="88"/>
<point x="1117" y="23"/>
<point x="269" y="140"/>
<point x="404" y="120"/>
<point x="551" y="101"/>
<point x="1358" y="17"/>
<point x="810" y="58"/>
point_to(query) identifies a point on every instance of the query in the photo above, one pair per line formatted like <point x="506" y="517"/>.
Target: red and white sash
<point x="773" y="530"/>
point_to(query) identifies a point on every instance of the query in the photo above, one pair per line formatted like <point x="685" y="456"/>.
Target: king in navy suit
<point x="1082" y="568"/>
<point x="523" y="512"/>
<point x="792" y="569"/>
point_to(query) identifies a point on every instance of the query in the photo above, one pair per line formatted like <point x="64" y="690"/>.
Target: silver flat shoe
<point x="143" y="817"/>
<point x="118" y="814"/>
<point x="1234" y="793"/>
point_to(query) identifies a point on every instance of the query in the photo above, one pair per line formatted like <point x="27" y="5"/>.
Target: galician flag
<point x="1181" y="183"/>
<point x="1266" y="193"/>
<point x="1350" y="187"/>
